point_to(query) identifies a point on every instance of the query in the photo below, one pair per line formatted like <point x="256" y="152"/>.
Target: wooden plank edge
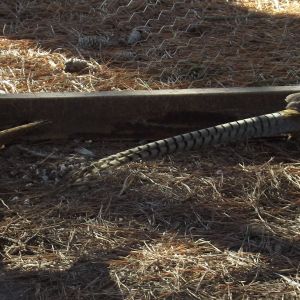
<point x="137" y="114"/>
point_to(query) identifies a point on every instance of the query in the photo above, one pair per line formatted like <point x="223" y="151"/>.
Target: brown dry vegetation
<point x="222" y="223"/>
<point x="189" y="44"/>
<point x="217" y="224"/>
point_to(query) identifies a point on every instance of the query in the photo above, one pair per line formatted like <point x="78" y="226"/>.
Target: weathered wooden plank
<point x="138" y="114"/>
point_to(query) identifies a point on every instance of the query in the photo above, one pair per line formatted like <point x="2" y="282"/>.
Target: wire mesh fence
<point x="157" y="43"/>
<point x="190" y="43"/>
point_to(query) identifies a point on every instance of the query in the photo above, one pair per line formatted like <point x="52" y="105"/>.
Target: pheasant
<point x="286" y="121"/>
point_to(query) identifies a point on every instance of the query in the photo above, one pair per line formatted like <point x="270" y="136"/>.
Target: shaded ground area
<point x="218" y="223"/>
<point x="141" y="44"/>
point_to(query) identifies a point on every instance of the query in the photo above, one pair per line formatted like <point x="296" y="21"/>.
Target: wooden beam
<point x="138" y="114"/>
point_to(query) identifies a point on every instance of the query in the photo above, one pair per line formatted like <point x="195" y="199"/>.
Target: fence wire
<point x="170" y="44"/>
<point x="191" y="43"/>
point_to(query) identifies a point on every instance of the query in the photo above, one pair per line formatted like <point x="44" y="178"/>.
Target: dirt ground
<point x="148" y="44"/>
<point x="219" y="223"/>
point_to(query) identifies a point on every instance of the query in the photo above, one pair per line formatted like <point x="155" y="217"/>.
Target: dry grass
<point x="187" y="44"/>
<point x="217" y="224"/>
<point x="222" y="223"/>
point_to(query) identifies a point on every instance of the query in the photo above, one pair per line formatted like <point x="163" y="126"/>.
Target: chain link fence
<point x="187" y="43"/>
<point x="154" y="44"/>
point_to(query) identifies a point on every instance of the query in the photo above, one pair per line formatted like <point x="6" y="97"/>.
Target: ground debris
<point x="179" y="227"/>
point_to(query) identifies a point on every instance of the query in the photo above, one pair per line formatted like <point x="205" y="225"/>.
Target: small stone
<point x="85" y="152"/>
<point x="76" y="66"/>
<point x="62" y="168"/>
<point x="134" y="36"/>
